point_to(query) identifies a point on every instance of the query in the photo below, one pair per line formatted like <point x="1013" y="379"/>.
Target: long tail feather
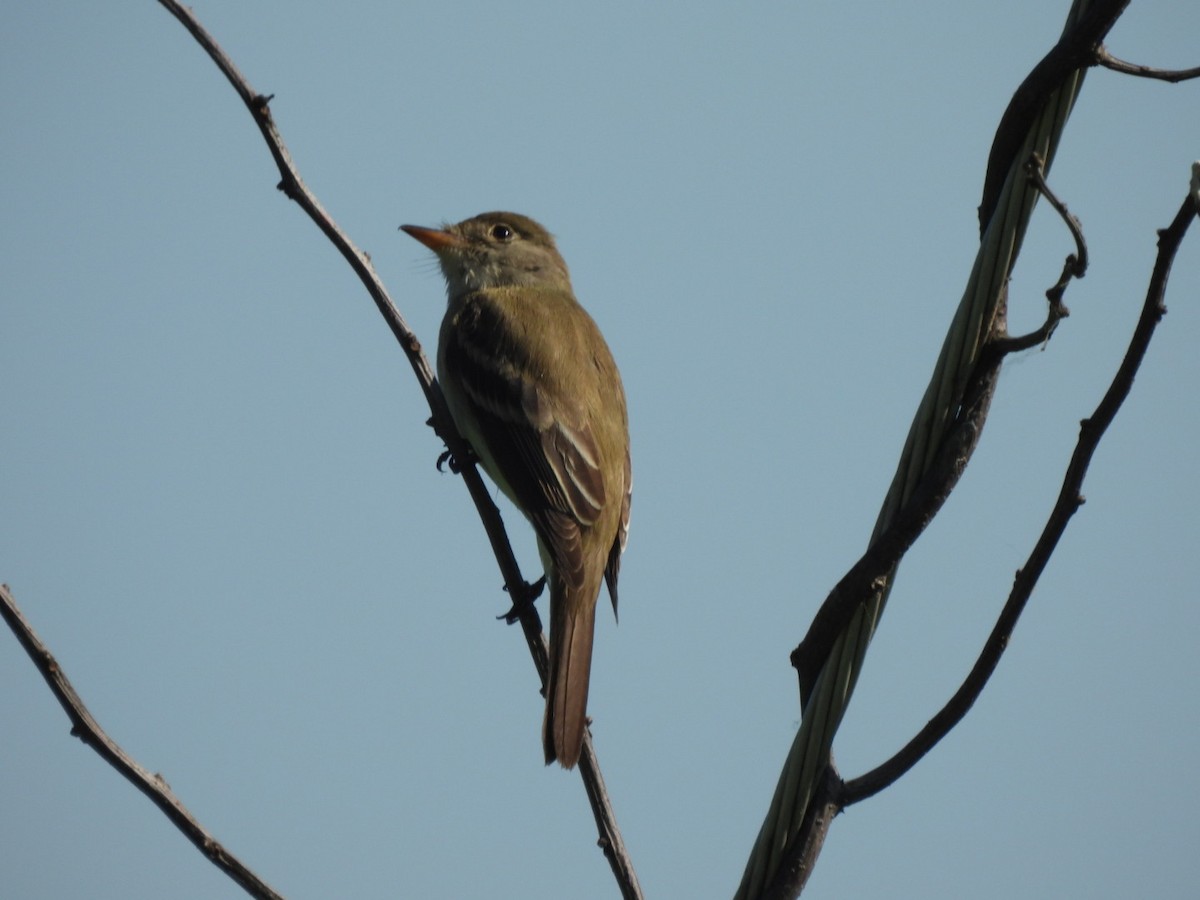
<point x="572" y="624"/>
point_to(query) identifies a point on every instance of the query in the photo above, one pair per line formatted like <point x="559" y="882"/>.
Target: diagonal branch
<point x="88" y="730"/>
<point x="293" y="186"/>
<point x="868" y="574"/>
<point x="1075" y="49"/>
<point x="1033" y="122"/>
<point x="1069" y="500"/>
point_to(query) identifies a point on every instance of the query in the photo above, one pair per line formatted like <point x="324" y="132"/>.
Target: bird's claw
<point x="447" y="458"/>
<point x="531" y="593"/>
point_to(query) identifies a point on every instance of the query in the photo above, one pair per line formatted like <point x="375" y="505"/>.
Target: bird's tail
<point x="572" y="623"/>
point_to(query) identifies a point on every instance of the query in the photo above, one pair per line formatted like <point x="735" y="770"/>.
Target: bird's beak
<point x="435" y="239"/>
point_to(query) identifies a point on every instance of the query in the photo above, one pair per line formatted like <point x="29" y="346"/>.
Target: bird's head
<point x="494" y="249"/>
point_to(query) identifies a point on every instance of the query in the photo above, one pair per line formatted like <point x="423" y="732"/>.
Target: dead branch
<point x="154" y="786"/>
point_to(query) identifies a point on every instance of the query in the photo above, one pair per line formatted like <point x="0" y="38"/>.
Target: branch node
<point x="1074" y="266"/>
<point x="1070" y="498"/>
<point x="1076" y="263"/>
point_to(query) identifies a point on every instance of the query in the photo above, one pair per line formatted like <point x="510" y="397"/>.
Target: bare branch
<point x="88" y="730"/>
<point x="610" y="841"/>
<point x="1070" y="499"/>
<point x="1075" y="266"/>
<point x="293" y="186"/>
<point x="792" y="877"/>
<point x="1108" y="61"/>
<point x="1075" y="49"/>
<point x="1077" y="263"/>
<point x="868" y="574"/>
<point x="1034" y="121"/>
<point x="885" y="552"/>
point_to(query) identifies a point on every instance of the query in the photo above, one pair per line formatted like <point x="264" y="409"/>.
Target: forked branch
<point x="1070" y="498"/>
<point x="293" y="186"/>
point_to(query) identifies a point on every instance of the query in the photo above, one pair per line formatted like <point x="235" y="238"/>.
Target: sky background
<point x="219" y="506"/>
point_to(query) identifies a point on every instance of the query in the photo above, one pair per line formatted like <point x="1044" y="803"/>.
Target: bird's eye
<point x="502" y="232"/>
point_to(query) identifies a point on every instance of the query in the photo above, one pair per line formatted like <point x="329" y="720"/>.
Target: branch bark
<point x="1076" y="49"/>
<point x="1108" y="61"/>
<point x="88" y="730"/>
<point x="830" y="657"/>
<point x="293" y="186"/>
<point x="937" y="482"/>
<point x="1070" y="498"/>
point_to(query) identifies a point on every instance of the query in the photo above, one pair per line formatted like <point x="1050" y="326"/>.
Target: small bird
<point x="533" y="388"/>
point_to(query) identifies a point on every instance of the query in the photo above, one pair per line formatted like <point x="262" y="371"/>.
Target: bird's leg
<point x="529" y="593"/>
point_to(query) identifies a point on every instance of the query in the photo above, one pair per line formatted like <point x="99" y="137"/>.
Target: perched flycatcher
<point x="533" y="388"/>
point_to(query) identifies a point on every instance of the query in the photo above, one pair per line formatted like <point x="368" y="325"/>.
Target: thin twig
<point x="88" y="730"/>
<point x="1108" y="61"/>
<point x="885" y="552"/>
<point x="1074" y="266"/>
<point x="1076" y="263"/>
<point x="610" y="842"/>
<point x="293" y="186"/>
<point x="1070" y="499"/>
<point x="1034" y="120"/>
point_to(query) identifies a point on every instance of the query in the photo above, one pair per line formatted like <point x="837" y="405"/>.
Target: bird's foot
<point x="530" y="593"/>
<point x="446" y="458"/>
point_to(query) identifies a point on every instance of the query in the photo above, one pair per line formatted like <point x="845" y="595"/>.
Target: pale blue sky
<point x="220" y="507"/>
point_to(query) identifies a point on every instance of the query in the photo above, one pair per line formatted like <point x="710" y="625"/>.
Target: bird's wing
<point x="540" y="442"/>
